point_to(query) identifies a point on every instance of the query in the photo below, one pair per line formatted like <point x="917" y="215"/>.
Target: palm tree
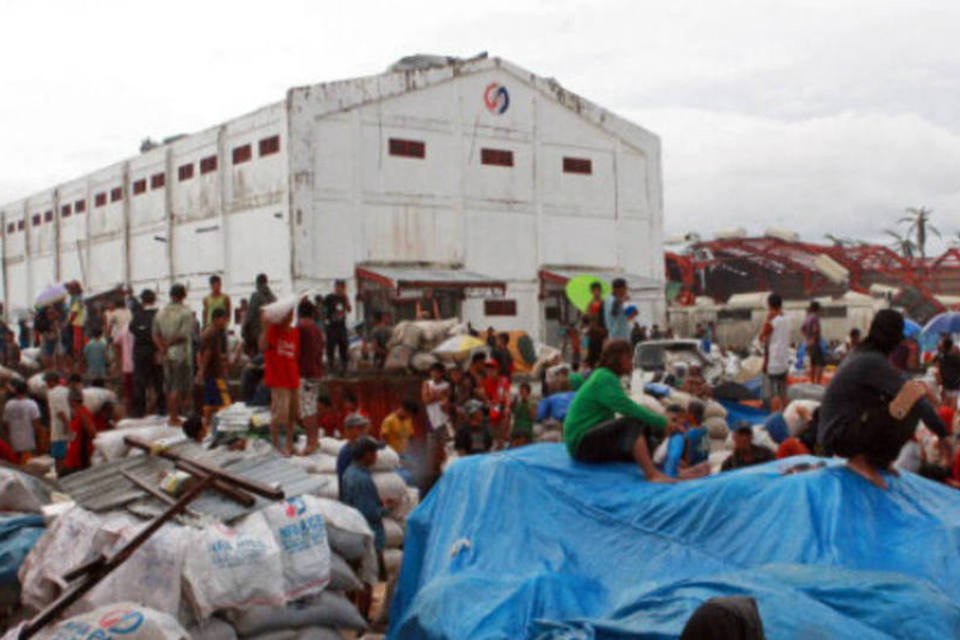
<point x="840" y="241"/>
<point x="902" y="243"/>
<point x="918" y="224"/>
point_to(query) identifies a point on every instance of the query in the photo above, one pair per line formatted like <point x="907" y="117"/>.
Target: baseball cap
<point x="365" y="445"/>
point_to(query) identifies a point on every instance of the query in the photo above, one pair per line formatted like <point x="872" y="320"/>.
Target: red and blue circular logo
<point x="121" y="621"/>
<point x="496" y="98"/>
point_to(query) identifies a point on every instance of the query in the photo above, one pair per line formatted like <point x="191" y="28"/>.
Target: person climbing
<point x="592" y="431"/>
<point x="870" y="409"/>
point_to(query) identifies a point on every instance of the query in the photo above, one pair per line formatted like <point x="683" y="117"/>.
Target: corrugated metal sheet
<point x="634" y="281"/>
<point x="402" y="276"/>
<point x="103" y="487"/>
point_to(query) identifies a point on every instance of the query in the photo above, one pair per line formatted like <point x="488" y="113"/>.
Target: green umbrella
<point x="578" y="290"/>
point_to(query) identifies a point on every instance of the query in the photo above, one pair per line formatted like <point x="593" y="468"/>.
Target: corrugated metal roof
<point x="634" y="281"/>
<point x="104" y="488"/>
<point x="401" y="276"/>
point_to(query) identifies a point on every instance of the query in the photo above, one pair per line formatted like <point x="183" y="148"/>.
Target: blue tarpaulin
<point x="18" y="535"/>
<point x="529" y="544"/>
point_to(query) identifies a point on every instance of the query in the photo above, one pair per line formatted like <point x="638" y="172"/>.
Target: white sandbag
<point x="422" y="361"/>
<point x="347" y="529"/>
<point x="213" y="629"/>
<point x="393" y="531"/>
<point x="68" y="543"/>
<point x="399" y="358"/>
<point x="648" y="402"/>
<point x="405" y="334"/>
<point x="409" y="502"/>
<point x="392" y="559"/>
<point x="681" y="398"/>
<point x="329" y="487"/>
<point x="717" y="459"/>
<point x="275" y="312"/>
<point x="321" y="633"/>
<point x="329" y="609"/>
<point x="717" y="427"/>
<point x="36" y="386"/>
<point x="390" y="486"/>
<point x="94" y="398"/>
<point x="331" y="446"/>
<point x="714" y="409"/>
<point x="110" y="444"/>
<point x="300" y="532"/>
<point x="152" y="574"/>
<point x="434" y="331"/>
<point x="791" y="415"/>
<point x="342" y="577"/>
<point x="19" y="492"/>
<point x="317" y="462"/>
<point x="805" y="391"/>
<point x="387" y="460"/>
<point x="230" y="568"/>
<point x="126" y="620"/>
<point x="30" y="353"/>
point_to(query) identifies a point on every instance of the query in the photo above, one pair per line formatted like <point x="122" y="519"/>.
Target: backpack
<point x="141" y="326"/>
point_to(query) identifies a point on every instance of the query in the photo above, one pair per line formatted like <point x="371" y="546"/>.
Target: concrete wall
<point x="355" y="203"/>
<point x="165" y="225"/>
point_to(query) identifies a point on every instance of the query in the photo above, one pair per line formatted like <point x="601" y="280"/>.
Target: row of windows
<point x="265" y="147"/>
<point x="495" y="157"/>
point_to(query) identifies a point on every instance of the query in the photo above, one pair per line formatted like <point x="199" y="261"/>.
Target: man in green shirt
<point x="593" y="432"/>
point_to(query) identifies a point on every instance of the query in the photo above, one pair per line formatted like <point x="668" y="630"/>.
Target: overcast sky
<point x="815" y="116"/>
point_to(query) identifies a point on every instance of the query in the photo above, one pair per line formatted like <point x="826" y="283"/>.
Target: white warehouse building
<point x="473" y="178"/>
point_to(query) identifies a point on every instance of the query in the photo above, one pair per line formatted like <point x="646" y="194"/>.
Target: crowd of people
<point x="172" y="361"/>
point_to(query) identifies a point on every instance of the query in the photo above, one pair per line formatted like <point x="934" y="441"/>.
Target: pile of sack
<point x="285" y="567"/>
<point x="412" y="342"/>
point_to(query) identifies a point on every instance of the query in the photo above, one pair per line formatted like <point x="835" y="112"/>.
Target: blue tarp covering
<point x="737" y="413"/>
<point x="529" y="544"/>
<point x="18" y="534"/>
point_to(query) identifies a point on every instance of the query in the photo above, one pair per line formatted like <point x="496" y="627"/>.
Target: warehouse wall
<point x="179" y="212"/>
<point x="355" y="202"/>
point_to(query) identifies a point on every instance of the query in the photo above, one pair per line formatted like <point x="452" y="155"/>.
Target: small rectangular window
<point x="139" y="186"/>
<point x="100" y="199"/>
<point x="209" y="164"/>
<point x="185" y="172"/>
<point x="582" y="166"/>
<point x="116" y="194"/>
<point x="48" y="216"/>
<point x="408" y="148"/>
<point x="497" y="157"/>
<point x="269" y="145"/>
<point x="65" y="211"/>
<point x="36" y="219"/>
<point x="500" y="307"/>
<point x="242" y="154"/>
<point x="80" y="206"/>
<point x="20" y="225"/>
<point x="157" y="180"/>
<point x="11" y="227"/>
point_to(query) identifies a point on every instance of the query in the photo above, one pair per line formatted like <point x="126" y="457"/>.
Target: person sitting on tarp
<point x="682" y="454"/>
<point x="745" y="453"/>
<point x="593" y="432"/>
<point x="870" y="409"/>
<point x="474" y="436"/>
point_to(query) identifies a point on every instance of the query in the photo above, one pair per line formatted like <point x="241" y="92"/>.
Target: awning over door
<point x="559" y="276"/>
<point x="410" y="281"/>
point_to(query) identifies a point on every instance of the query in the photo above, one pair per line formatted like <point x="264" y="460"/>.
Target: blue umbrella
<point x="947" y="322"/>
<point x="911" y="329"/>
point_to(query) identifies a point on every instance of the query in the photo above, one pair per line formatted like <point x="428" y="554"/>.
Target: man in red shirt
<point x="82" y="432"/>
<point x="496" y="388"/>
<point x="280" y="345"/>
<point x="311" y="370"/>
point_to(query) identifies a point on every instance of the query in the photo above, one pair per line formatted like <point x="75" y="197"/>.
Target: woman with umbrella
<point x="870" y="410"/>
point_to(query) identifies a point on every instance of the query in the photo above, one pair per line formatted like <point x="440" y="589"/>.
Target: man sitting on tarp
<point x="870" y="410"/>
<point x="593" y="432"/>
